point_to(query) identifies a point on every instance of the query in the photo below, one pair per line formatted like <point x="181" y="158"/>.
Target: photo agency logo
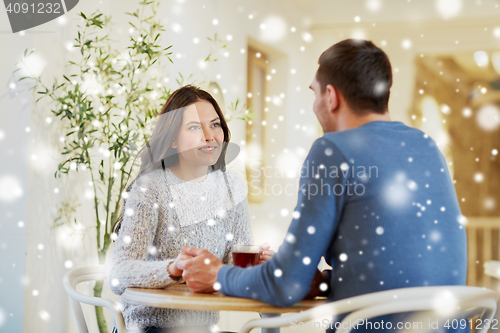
<point x="26" y="14"/>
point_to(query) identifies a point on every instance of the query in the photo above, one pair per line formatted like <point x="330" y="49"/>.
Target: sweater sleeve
<point x="286" y="278"/>
<point x="130" y="266"/>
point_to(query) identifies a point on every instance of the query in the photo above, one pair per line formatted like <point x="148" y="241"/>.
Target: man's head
<point x="354" y="74"/>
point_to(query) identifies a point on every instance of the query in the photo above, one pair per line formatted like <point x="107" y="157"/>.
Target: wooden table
<point x="179" y="296"/>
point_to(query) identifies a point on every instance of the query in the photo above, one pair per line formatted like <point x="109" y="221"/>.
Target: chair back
<point x="430" y="302"/>
<point x="78" y="275"/>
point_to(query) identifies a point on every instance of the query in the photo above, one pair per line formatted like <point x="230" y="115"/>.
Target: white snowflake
<point x="311" y="230"/>
<point x="10" y="188"/>
<point x="396" y="192"/>
<point x="478" y="177"/>
<point x="412" y="185"/>
<point x="221" y="212"/>
<point x="380" y="88"/>
<point x="290" y="238"/>
<point x="343" y="257"/>
<point x="449" y="8"/>
<point x="445" y="303"/>
<point x="278" y="272"/>
<point x="435" y="236"/>
<point x="379" y="230"/>
<point x="461" y="219"/>
<point x="489" y="203"/>
<point x="44" y="315"/>
<point x="306" y="260"/>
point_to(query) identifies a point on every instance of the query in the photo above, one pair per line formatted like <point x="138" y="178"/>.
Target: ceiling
<point x="324" y="12"/>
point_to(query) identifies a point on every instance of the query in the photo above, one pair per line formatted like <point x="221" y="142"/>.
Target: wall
<point x="15" y="108"/>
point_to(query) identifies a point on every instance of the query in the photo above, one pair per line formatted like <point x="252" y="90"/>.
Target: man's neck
<point x="349" y="119"/>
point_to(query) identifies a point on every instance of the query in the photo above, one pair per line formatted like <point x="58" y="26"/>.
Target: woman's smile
<point x="207" y="149"/>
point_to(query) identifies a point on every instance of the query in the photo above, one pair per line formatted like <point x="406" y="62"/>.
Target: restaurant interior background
<point x="446" y="65"/>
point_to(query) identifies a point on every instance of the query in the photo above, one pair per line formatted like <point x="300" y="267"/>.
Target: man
<point x="379" y="203"/>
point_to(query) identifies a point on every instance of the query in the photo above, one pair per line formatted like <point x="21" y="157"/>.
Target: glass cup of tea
<point x="246" y="255"/>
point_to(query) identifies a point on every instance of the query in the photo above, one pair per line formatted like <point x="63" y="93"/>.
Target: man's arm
<point x="286" y="278"/>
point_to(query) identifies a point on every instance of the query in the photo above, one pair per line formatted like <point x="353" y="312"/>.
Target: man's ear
<point x="333" y="99"/>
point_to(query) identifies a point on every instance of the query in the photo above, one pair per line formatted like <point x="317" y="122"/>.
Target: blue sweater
<point x="378" y="202"/>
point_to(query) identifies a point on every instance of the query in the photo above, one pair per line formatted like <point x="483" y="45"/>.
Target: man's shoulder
<point x="374" y="133"/>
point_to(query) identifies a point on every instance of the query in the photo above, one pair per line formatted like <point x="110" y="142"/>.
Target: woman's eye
<point x="194" y="127"/>
<point x="217" y="125"/>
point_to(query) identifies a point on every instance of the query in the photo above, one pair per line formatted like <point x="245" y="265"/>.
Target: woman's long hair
<point x="158" y="151"/>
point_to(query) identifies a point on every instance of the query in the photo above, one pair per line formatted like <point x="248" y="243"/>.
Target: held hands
<point x="199" y="268"/>
<point x="172" y="267"/>
<point x="265" y="253"/>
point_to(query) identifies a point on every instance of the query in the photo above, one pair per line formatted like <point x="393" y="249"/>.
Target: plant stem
<point x="101" y="320"/>
<point x="96" y="203"/>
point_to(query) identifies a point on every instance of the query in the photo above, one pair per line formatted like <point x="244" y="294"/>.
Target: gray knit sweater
<point x="163" y="213"/>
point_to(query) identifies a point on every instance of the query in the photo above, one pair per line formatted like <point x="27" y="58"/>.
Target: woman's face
<point x="201" y="137"/>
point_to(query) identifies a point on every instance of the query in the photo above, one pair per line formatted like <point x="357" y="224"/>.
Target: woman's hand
<point x="172" y="267"/>
<point x="265" y="253"/>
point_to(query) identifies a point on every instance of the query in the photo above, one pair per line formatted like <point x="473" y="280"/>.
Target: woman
<point x="183" y="195"/>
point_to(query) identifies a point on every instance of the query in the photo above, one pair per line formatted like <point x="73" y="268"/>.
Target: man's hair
<point x="360" y="71"/>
